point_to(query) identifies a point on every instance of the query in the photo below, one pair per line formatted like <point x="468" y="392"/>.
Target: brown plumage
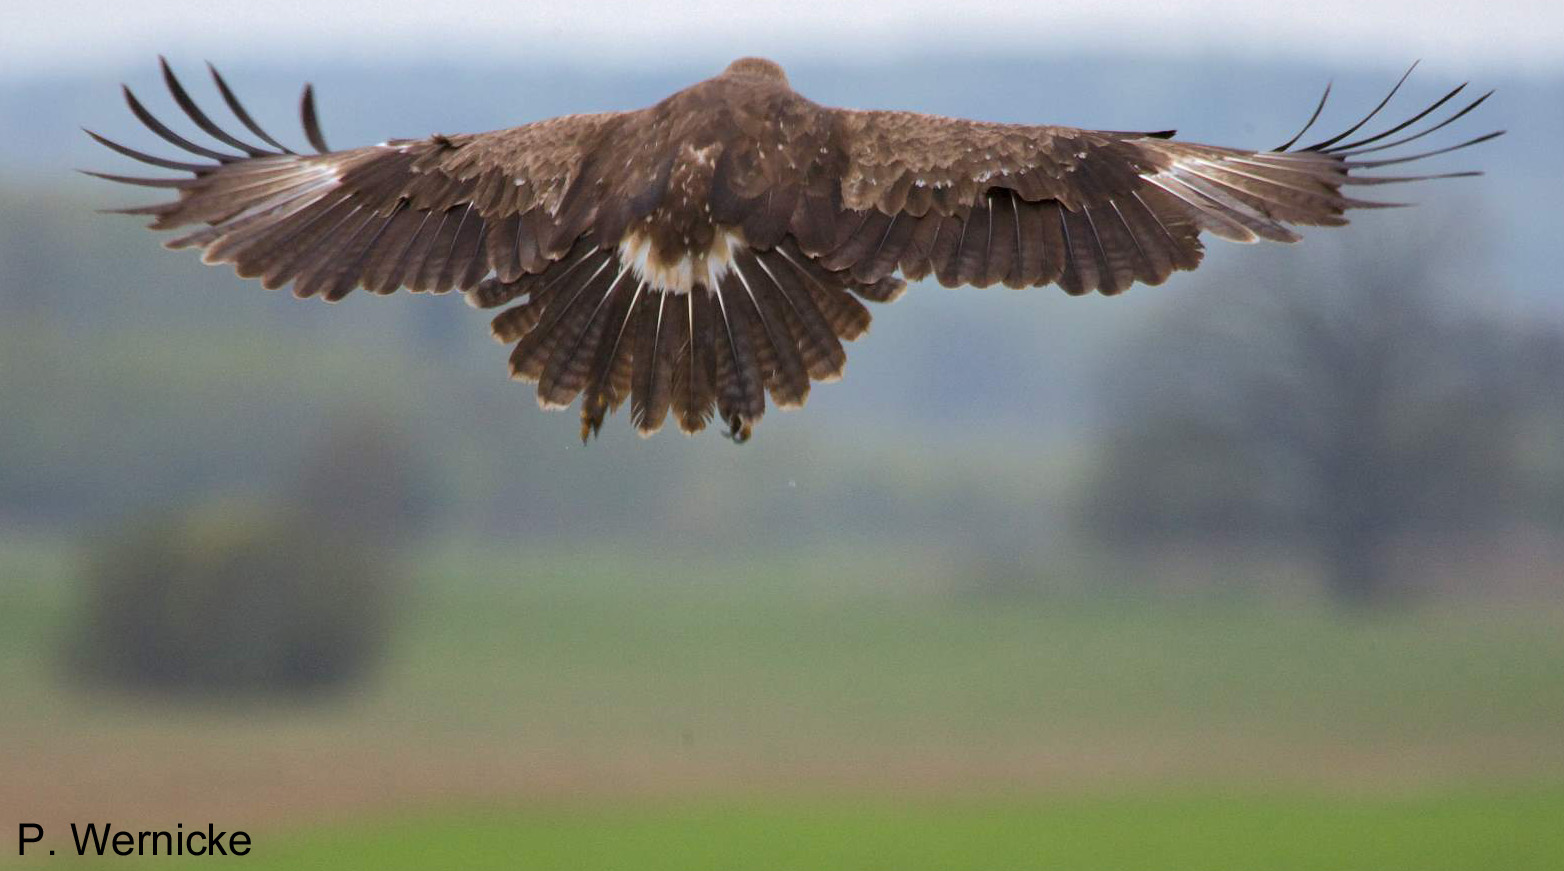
<point x="696" y="255"/>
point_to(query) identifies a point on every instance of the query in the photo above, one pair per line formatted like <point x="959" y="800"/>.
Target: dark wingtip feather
<point x="241" y="113"/>
<point x="1376" y="204"/>
<point x="169" y="135"/>
<point x="153" y="160"/>
<point x="1399" y="179"/>
<point x="1320" y="107"/>
<point x="1370" y="164"/>
<point x="1351" y="152"/>
<point x="154" y="209"/>
<point x="142" y="182"/>
<point x="311" y="121"/>
<point x="1346" y="156"/>
<point x="1349" y="146"/>
<point x="1323" y="144"/>
<point x="182" y="97"/>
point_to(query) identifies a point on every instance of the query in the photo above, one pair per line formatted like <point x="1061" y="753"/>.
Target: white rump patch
<point x="635" y="251"/>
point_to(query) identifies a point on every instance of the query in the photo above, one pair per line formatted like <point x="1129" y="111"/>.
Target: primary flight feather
<point x="696" y="255"/>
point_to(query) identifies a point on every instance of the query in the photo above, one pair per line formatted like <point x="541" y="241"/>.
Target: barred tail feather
<point x="651" y="384"/>
<point x="613" y="353"/>
<point x="694" y="373"/>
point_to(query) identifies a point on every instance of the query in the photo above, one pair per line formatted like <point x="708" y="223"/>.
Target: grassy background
<point x="1452" y="831"/>
<point x="558" y="710"/>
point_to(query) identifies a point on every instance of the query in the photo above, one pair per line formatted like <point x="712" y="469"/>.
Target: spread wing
<point x="428" y="214"/>
<point x="771" y="218"/>
<point x="981" y="203"/>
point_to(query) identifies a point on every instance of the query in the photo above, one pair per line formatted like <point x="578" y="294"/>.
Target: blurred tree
<point x="230" y="598"/>
<point x="250" y="596"/>
<point x="1332" y="411"/>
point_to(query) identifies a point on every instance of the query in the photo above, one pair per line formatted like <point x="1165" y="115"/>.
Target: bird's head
<point x="757" y="68"/>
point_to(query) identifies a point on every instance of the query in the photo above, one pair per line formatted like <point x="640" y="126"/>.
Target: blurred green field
<point x="873" y="707"/>
<point x="1517" y="831"/>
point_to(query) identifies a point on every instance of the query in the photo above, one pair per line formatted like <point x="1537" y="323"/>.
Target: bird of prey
<point x="696" y="255"/>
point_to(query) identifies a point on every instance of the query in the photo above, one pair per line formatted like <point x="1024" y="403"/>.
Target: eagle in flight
<point x="694" y="256"/>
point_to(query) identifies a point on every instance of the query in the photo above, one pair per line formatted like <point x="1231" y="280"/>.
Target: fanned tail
<point x="586" y="327"/>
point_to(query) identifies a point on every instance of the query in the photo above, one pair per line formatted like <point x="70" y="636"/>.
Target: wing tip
<point x="311" y="119"/>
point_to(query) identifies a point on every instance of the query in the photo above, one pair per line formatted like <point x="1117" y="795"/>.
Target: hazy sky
<point x="51" y="35"/>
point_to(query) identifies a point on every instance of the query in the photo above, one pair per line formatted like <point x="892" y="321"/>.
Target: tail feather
<point x="565" y="290"/>
<point x="788" y="375"/>
<point x="819" y="345"/>
<point x="581" y="330"/>
<point x="651" y="384"/>
<point x="613" y="345"/>
<point x="741" y="396"/>
<point x="846" y="316"/>
<point x="694" y="375"/>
